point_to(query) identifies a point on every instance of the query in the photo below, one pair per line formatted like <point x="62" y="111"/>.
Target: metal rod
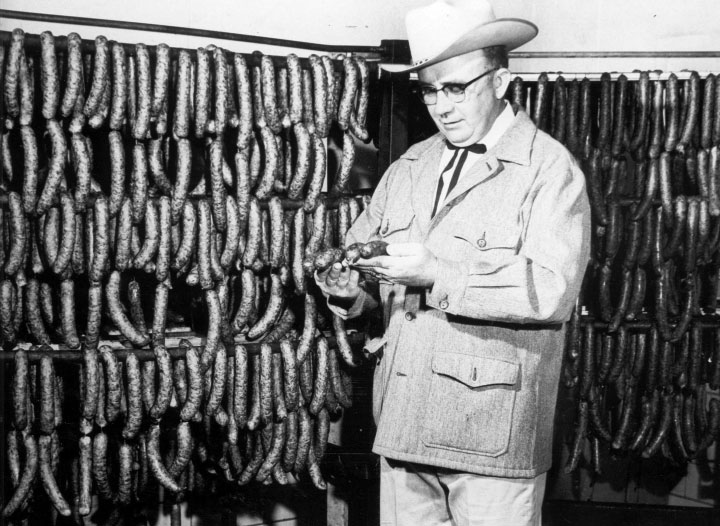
<point x="331" y="201"/>
<point x="532" y="76"/>
<point x="189" y="31"/>
<point x="32" y="44"/>
<point x="707" y="321"/>
<point x="60" y="354"/>
<point x="614" y="54"/>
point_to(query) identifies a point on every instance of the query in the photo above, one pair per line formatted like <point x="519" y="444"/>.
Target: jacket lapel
<point x="425" y="173"/>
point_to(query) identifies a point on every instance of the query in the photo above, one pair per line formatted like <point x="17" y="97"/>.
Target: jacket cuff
<point x="348" y="312"/>
<point x="448" y="290"/>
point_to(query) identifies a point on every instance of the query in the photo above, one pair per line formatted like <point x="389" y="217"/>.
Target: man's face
<point x="464" y="123"/>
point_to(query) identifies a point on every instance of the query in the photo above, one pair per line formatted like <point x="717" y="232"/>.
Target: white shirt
<point x="499" y="127"/>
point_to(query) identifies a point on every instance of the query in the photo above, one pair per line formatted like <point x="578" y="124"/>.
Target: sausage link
<point x="112" y="382"/>
<point x="56" y="167"/>
<point x="278" y="389"/>
<point x="157" y="468"/>
<point x="195" y="392"/>
<point x="118" y="317"/>
<point x="277" y="235"/>
<point x="202" y="92"/>
<point x="119" y="87"/>
<point x="672" y="105"/>
<point x="350" y="86"/>
<point x="359" y="116"/>
<point x="320" y="386"/>
<point x="100" y="258"/>
<point x="656" y="121"/>
<point x="74" y="75"/>
<point x="321" y="94"/>
<point x="100" y="76"/>
<point x="139" y="183"/>
<point x="272" y="311"/>
<point x="643" y="103"/>
<point x="156" y="164"/>
<point x="245" y="107"/>
<point x="232" y="233"/>
<point x="302" y="164"/>
<point x="213" y="331"/>
<point x="30" y="172"/>
<point x="269" y="94"/>
<point x="164" y="391"/>
<point x="33" y="316"/>
<point x="117" y="172"/>
<point x="67" y="313"/>
<point x="240" y="388"/>
<point x="265" y="184"/>
<point x="217" y="188"/>
<point x="183" y="103"/>
<point x="144" y="93"/>
<point x="48" y="479"/>
<point x="219" y="378"/>
<point x="151" y="243"/>
<point x="693" y="109"/>
<point x="266" y="391"/>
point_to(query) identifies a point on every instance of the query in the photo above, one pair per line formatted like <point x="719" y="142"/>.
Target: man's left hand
<point x="409" y="264"/>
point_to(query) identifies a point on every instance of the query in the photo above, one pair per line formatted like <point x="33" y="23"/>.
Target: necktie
<point x="475" y="148"/>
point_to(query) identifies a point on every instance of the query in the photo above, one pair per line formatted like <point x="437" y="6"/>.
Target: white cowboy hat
<point x="448" y="28"/>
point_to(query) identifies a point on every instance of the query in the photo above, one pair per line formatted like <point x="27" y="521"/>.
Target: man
<point x="488" y="227"/>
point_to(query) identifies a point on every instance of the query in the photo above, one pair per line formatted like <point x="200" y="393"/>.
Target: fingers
<point x="339" y="281"/>
<point x="376" y="262"/>
<point x="334" y="274"/>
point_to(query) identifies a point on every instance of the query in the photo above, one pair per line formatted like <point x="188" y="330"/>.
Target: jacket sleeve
<point x="539" y="284"/>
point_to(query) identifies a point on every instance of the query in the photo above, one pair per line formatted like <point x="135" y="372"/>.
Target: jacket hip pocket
<point x="471" y="403"/>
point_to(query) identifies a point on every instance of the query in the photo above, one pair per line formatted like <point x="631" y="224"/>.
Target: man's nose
<point x="443" y="104"/>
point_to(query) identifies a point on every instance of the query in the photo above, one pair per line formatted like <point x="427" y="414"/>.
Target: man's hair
<point x="497" y="56"/>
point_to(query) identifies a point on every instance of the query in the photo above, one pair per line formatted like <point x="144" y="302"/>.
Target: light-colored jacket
<point x="469" y="372"/>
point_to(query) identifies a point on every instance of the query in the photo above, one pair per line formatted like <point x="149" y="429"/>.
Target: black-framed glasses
<point x="453" y="91"/>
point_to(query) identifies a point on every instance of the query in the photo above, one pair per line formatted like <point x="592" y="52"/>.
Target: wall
<point x="565" y="25"/>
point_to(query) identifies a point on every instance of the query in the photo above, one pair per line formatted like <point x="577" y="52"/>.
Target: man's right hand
<point x="339" y="281"/>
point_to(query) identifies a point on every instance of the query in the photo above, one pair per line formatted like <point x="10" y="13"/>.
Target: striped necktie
<point x="475" y="148"/>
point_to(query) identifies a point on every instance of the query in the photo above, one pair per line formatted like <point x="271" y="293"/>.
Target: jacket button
<point x="481" y="243"/>
<point x="444" y="304"/>
<point x="409" y="316"/>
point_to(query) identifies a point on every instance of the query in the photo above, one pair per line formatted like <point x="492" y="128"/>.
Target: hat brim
<point x="509" y="32"/>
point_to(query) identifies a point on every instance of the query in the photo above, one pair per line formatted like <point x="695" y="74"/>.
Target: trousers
<point x="418" y="495"/>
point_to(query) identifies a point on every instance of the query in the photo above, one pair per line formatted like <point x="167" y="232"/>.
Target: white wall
<point x="565" y="25"/>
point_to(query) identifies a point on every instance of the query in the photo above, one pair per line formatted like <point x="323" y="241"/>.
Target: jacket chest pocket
<point x="396" y="224"/>
<point x="487" y="242"/>
<point x="471" y="402"/>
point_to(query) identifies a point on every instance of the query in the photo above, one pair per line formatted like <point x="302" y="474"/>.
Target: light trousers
<point x="419" y="495"/>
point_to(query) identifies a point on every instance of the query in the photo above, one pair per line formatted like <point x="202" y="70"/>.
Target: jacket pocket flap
<point x="485" y="237"/>
<point x="476" y="371"/>
<point x="399" y="220"/>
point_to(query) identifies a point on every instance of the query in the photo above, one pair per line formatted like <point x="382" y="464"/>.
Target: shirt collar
<point x="499" y="127"/>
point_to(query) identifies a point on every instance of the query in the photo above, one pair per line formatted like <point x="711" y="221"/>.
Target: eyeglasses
<point x="453" y="91"/>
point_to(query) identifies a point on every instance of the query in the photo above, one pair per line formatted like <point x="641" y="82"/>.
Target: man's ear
<point x="501" y="82"/>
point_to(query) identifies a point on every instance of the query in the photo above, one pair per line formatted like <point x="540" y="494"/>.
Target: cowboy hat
<point x="448" y="28"/>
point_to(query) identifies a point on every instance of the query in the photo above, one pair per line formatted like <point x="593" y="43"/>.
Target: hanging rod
<point x="32" y="43"/>
<point x="614" y="54"/>
<point x="189" y="31"/>
<point x="532" y="76"/>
